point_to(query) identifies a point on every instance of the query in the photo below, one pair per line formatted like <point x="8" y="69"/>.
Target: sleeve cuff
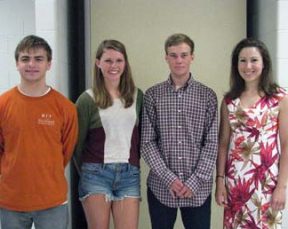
<point x="193" y="183"/>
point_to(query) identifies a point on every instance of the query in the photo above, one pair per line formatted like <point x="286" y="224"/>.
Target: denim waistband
<point x="118" y="167"/>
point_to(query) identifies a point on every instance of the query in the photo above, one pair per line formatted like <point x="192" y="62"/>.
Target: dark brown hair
<point x="237" y="84"/>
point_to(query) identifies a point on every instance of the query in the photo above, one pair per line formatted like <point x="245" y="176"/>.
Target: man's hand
<point x="176" y="187"/>
<point x="185" y="192"/>
<point x="179" y="189"/>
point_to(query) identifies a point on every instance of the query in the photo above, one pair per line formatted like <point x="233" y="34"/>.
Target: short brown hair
<point x="179" y="38"/>
<point x="32" y="42"/>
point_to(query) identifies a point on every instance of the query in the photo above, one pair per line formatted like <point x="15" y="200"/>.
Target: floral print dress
<point x="252" y="164"/>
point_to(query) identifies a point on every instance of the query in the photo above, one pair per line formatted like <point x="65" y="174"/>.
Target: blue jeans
<point x="163" y="217"/>
<point x="52" y="218"/>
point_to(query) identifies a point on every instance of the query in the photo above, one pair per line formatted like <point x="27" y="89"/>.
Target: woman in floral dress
<point x="252" y="166"/>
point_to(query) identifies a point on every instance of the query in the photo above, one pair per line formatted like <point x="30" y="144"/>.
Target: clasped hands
<point x="179" y="189"/>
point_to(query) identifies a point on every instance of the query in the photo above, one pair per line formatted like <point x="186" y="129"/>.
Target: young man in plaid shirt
<point x="179" y="142"/>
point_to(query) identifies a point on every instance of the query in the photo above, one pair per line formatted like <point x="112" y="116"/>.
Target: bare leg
<point x="126" y="213"/>
<point x="97" y="211"/>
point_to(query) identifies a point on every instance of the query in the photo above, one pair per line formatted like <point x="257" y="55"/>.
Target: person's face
<point x="33" y="64"/>
<point x="179" y="59"/>
<point x="250" y="64"/>
<point x="112" y="64"/>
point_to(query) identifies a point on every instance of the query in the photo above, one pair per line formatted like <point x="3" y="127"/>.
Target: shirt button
<point x="179" y="142"/>
<point x="179" y="127"/>
<point x="179" y="111"/>
<point x="180" y="174"/>
<point x="179" y="96"/>
<point x="180" y="158"/>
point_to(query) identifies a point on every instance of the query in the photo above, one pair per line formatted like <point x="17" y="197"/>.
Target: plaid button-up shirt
<point x="179" y="140"/>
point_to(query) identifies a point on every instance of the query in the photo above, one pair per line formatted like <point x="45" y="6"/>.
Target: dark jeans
<point x="163" y="217"/>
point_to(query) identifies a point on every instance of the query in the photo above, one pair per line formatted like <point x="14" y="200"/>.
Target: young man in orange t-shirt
<point x="38" y="132"/>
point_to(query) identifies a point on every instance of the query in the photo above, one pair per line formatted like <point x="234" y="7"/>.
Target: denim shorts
<point x="115" y="180"/>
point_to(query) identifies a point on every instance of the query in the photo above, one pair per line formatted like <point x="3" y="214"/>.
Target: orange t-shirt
<point x="37" y="138"/>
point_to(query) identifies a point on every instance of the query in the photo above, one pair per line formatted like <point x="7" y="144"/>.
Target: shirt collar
<point x="187" y="84"/>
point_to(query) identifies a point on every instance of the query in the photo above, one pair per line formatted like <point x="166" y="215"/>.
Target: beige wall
<point x="143" y="26"/>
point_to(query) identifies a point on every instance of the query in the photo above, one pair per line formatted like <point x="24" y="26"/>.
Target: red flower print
<point x="240" y="194"/>
<point x="267" y="159"/>
<point x="252" y="166"/>
<point x="238" y="141"/>
<point x="254" y="133"/>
